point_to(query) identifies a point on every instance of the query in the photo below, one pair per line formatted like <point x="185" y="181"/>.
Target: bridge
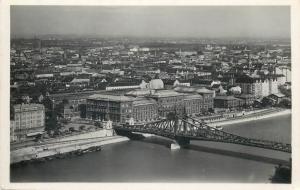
<point x="182" y="129"/>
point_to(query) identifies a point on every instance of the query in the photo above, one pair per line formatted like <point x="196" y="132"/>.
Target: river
<point x="151" y="160"/>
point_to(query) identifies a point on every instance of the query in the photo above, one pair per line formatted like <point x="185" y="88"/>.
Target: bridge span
<point x="182" y="129"/>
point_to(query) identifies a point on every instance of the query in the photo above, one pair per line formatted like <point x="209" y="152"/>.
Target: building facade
<point x="227" y="102"/>
<point x="144" y="110"/>
<point x="258" y="86"/>
<point x="28" y="120"/>
<point x="103" y="107"/>
<point x="149" y="104"/>
<point x="207" y="95"/>
<point x="168" y="101"/>
<point x="247" y="99"/>
<point x="193" y="104"/>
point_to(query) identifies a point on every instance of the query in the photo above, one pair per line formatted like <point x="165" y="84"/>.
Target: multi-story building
<point x="193" y="104"/>
<point x="207" y="95"/>
<point x="104" y="106"/>
<point x="120" y="108"/>
<point x="247" y="99"/>
<point x="168" y="101"/>
<point x="259" y="86"/>
<point x="144" y="110"/>
<point x="28" y="120"/>
<point x="227" y="102"/>
<point x="145" y="105"/>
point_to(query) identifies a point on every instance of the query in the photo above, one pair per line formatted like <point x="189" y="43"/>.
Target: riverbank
<point x="62" y="146"/>
<point x="250" y="117"/>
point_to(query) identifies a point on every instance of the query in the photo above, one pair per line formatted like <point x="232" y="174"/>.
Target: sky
<point x="153" y="21"/>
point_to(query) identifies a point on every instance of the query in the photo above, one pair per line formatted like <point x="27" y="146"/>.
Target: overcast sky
<point x="197" y="21"/>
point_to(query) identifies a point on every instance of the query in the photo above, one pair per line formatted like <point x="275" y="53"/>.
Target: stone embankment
<point x="251" y="117"/>
<point x="60" y="146"/>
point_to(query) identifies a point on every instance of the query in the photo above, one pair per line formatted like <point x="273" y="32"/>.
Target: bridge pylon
<point x="180" y="142"/>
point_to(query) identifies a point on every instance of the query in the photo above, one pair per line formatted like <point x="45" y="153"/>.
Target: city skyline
<point x="137" y="21"/>
<point x="150" y="94"/>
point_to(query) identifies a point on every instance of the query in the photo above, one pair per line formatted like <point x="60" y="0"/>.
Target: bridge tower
<point x="179" y="141"/>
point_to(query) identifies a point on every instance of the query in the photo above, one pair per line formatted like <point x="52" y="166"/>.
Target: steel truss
<point x="190" y="128"/>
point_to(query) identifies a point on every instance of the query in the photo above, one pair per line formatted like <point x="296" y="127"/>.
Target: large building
<point x="144" y="110"/>
<point x="148" y="104"/>
<point x="168" y="101"/>
<point x="259" y="86"/>
<point x="142" y="107"/>
<point x="28" y="120"/>
<point x="227" y="102"/>
<point x="120" y="108"/>
<point x="193" y="104"/>
<point x="105" y="106"/>
<point x="207" y="95"/>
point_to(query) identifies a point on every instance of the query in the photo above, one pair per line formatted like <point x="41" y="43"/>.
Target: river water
<point x="151" y="160"/>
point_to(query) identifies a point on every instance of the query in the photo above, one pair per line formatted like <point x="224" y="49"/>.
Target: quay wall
<point x="250" y="118"/>
<point x="51" y="149"/>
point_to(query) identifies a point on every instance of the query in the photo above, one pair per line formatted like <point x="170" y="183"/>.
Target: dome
<point x="156" y="84"/>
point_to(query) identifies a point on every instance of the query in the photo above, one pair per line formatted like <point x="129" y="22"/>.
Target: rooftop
<point x="193" y="96"/>
<point x="75" y="80"/>
<point x="245" y="96"/>
<point x="138" y="92"/>
<point x="279" y="95"/>
<point x="187" y="89"/>
<point x="165" y="93"/>
<point x="143" y="101"/>
<point x="28" y="107"/>
<point x="108" y="97"/>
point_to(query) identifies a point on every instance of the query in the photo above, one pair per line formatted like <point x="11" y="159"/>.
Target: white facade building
<point x="28" y="119"/>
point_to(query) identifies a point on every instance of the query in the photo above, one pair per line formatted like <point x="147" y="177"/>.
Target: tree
<point x="82" y="109"/>
<point x="59" y="109"/>
<point x="71" y="129"/>
<point x="64" y="121"/>
<point x="48" y="103"/>
<point x="285" y="103"/>
<point x="286" y="92"/>
<point x="282" y="175"/>
<point x="51" y="121"/>
<point x="267" y="102"/>
<point x="98" y="124"/>
<point x="204" y="111"/>
<point x="82" y="127"/>
<point x="171" y="116"/>
<point x="65" y="101"/>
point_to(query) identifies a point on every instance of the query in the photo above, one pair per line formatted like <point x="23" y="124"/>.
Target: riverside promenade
<point x="63" y="145"/>
<point x="251" y="117"/>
